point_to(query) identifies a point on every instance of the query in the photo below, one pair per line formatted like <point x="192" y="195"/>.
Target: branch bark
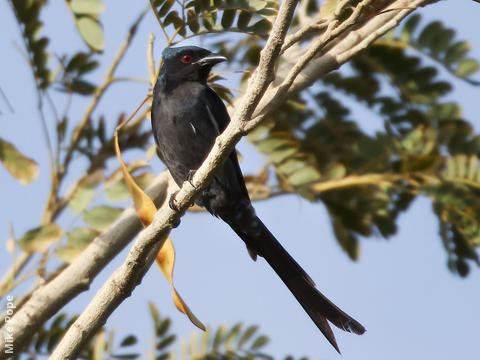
<point x="48" y="299"/>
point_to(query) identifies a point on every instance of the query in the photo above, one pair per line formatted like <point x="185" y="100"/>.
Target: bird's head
<point x="191" y="63"/>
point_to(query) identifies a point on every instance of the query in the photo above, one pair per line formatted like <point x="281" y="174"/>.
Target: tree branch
<point x="343" y="47"/>
<point x="10" y="275"/>
<point x="48" y="299"/>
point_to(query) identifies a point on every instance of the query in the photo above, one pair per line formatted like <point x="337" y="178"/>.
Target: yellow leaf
<point x="166" y="263"/>
<point x="18" y="165"/>
<point x="40" y="238"/>
<point x="146" y="210"/>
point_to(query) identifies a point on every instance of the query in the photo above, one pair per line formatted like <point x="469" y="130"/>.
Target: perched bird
<point x="187" y="116"/>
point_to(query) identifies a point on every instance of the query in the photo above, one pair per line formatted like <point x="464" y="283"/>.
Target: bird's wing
<point x="219" y="115"/>
<point x="218" y="109"/>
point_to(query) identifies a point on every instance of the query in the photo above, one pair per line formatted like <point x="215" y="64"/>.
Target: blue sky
<point x="401" y="290"/>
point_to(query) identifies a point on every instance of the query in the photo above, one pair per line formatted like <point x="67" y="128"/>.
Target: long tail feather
<point x="260" y="241"/>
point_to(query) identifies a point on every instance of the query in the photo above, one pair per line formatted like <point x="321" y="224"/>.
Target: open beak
<point x="211" y="59"/>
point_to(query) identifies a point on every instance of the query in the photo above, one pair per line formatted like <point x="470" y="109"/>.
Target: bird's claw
<point x="190" y="175"/>
<point x="175" y="223"/>
<point x="171" y="201"/>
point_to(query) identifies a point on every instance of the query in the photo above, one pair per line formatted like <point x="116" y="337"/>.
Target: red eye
<point x="186" y="59"/>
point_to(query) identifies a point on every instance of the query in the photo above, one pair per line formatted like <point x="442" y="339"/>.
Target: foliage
<point x="366" y="171"/>
<point x="101" y="347"/>
<point x="193" y="18"/>
<point x="313" y="138"/>
<point x="238" y="342"/>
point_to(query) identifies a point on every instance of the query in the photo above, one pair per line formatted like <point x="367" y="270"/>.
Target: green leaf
<point x="129" y="341"/>
<point x="336" y="171"/>
<point x="461" y="165"/>
<point x="262" y="27"/>
<point x="446" y="111"/>
<point x="87" y="7"/>
<point x="270" y="144"/>
<point x="165" y="7"/>
<point x="82" y="87"/>
<point x="427" y="36"/>
<point x="456" y="52"/>
<point x="81" y="236"/>
<point x="228" y="17"/>
<point x="244" y="19"/>
<point x="257" y="4"/>
<point x="157" y="3"/>
<point x="259" y="342"/>
<point x="306" y="175"/>
<point x="232" y="335"/>
<point x="126" y="356"/>
<point x="208" y="20"/>
<point x="219" y="336"/>
<point x="119" y="191"/>
<point x="278" y="156"/>
<point x="78" y="239"/>
<point x="410" y="27"/>
<point x="442" y="41"/>
<point x="167" y="341"/>
<point x="467" y="67"/>
<point x="91" y="32"/>
<point x="101" y="217"/>
<point x="192" y="21"/>
<point x="346" y="239"/>
<point x="247" y="335"/>
<point x="472" y="167"/>
<point x="85" y="193"/>
<point x="163" y="327"/>
<point x="154" y="313"/>
<point x="290" y="166"/>
<point x="40" y="238"/>
<point x="24" y="169"/>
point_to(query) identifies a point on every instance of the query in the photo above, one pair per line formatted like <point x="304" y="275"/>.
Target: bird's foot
<point x="175" y="223"/>
<point x="190" y="175"/>
<point x="172" y="202"/>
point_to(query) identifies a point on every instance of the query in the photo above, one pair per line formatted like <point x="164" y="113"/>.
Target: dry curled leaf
<point x="146" y="210"/>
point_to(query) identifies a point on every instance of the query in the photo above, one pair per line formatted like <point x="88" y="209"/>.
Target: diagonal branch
<point x="76" y="278"/>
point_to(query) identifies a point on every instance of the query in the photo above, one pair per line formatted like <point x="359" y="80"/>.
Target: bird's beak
<point x="211" y="59"/>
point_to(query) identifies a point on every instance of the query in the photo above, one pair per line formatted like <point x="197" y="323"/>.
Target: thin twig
<point x="151" y="59"/>
<point x="10" y="275"/>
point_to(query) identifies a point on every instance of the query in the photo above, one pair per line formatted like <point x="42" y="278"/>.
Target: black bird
<point x="187" y="116"/>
